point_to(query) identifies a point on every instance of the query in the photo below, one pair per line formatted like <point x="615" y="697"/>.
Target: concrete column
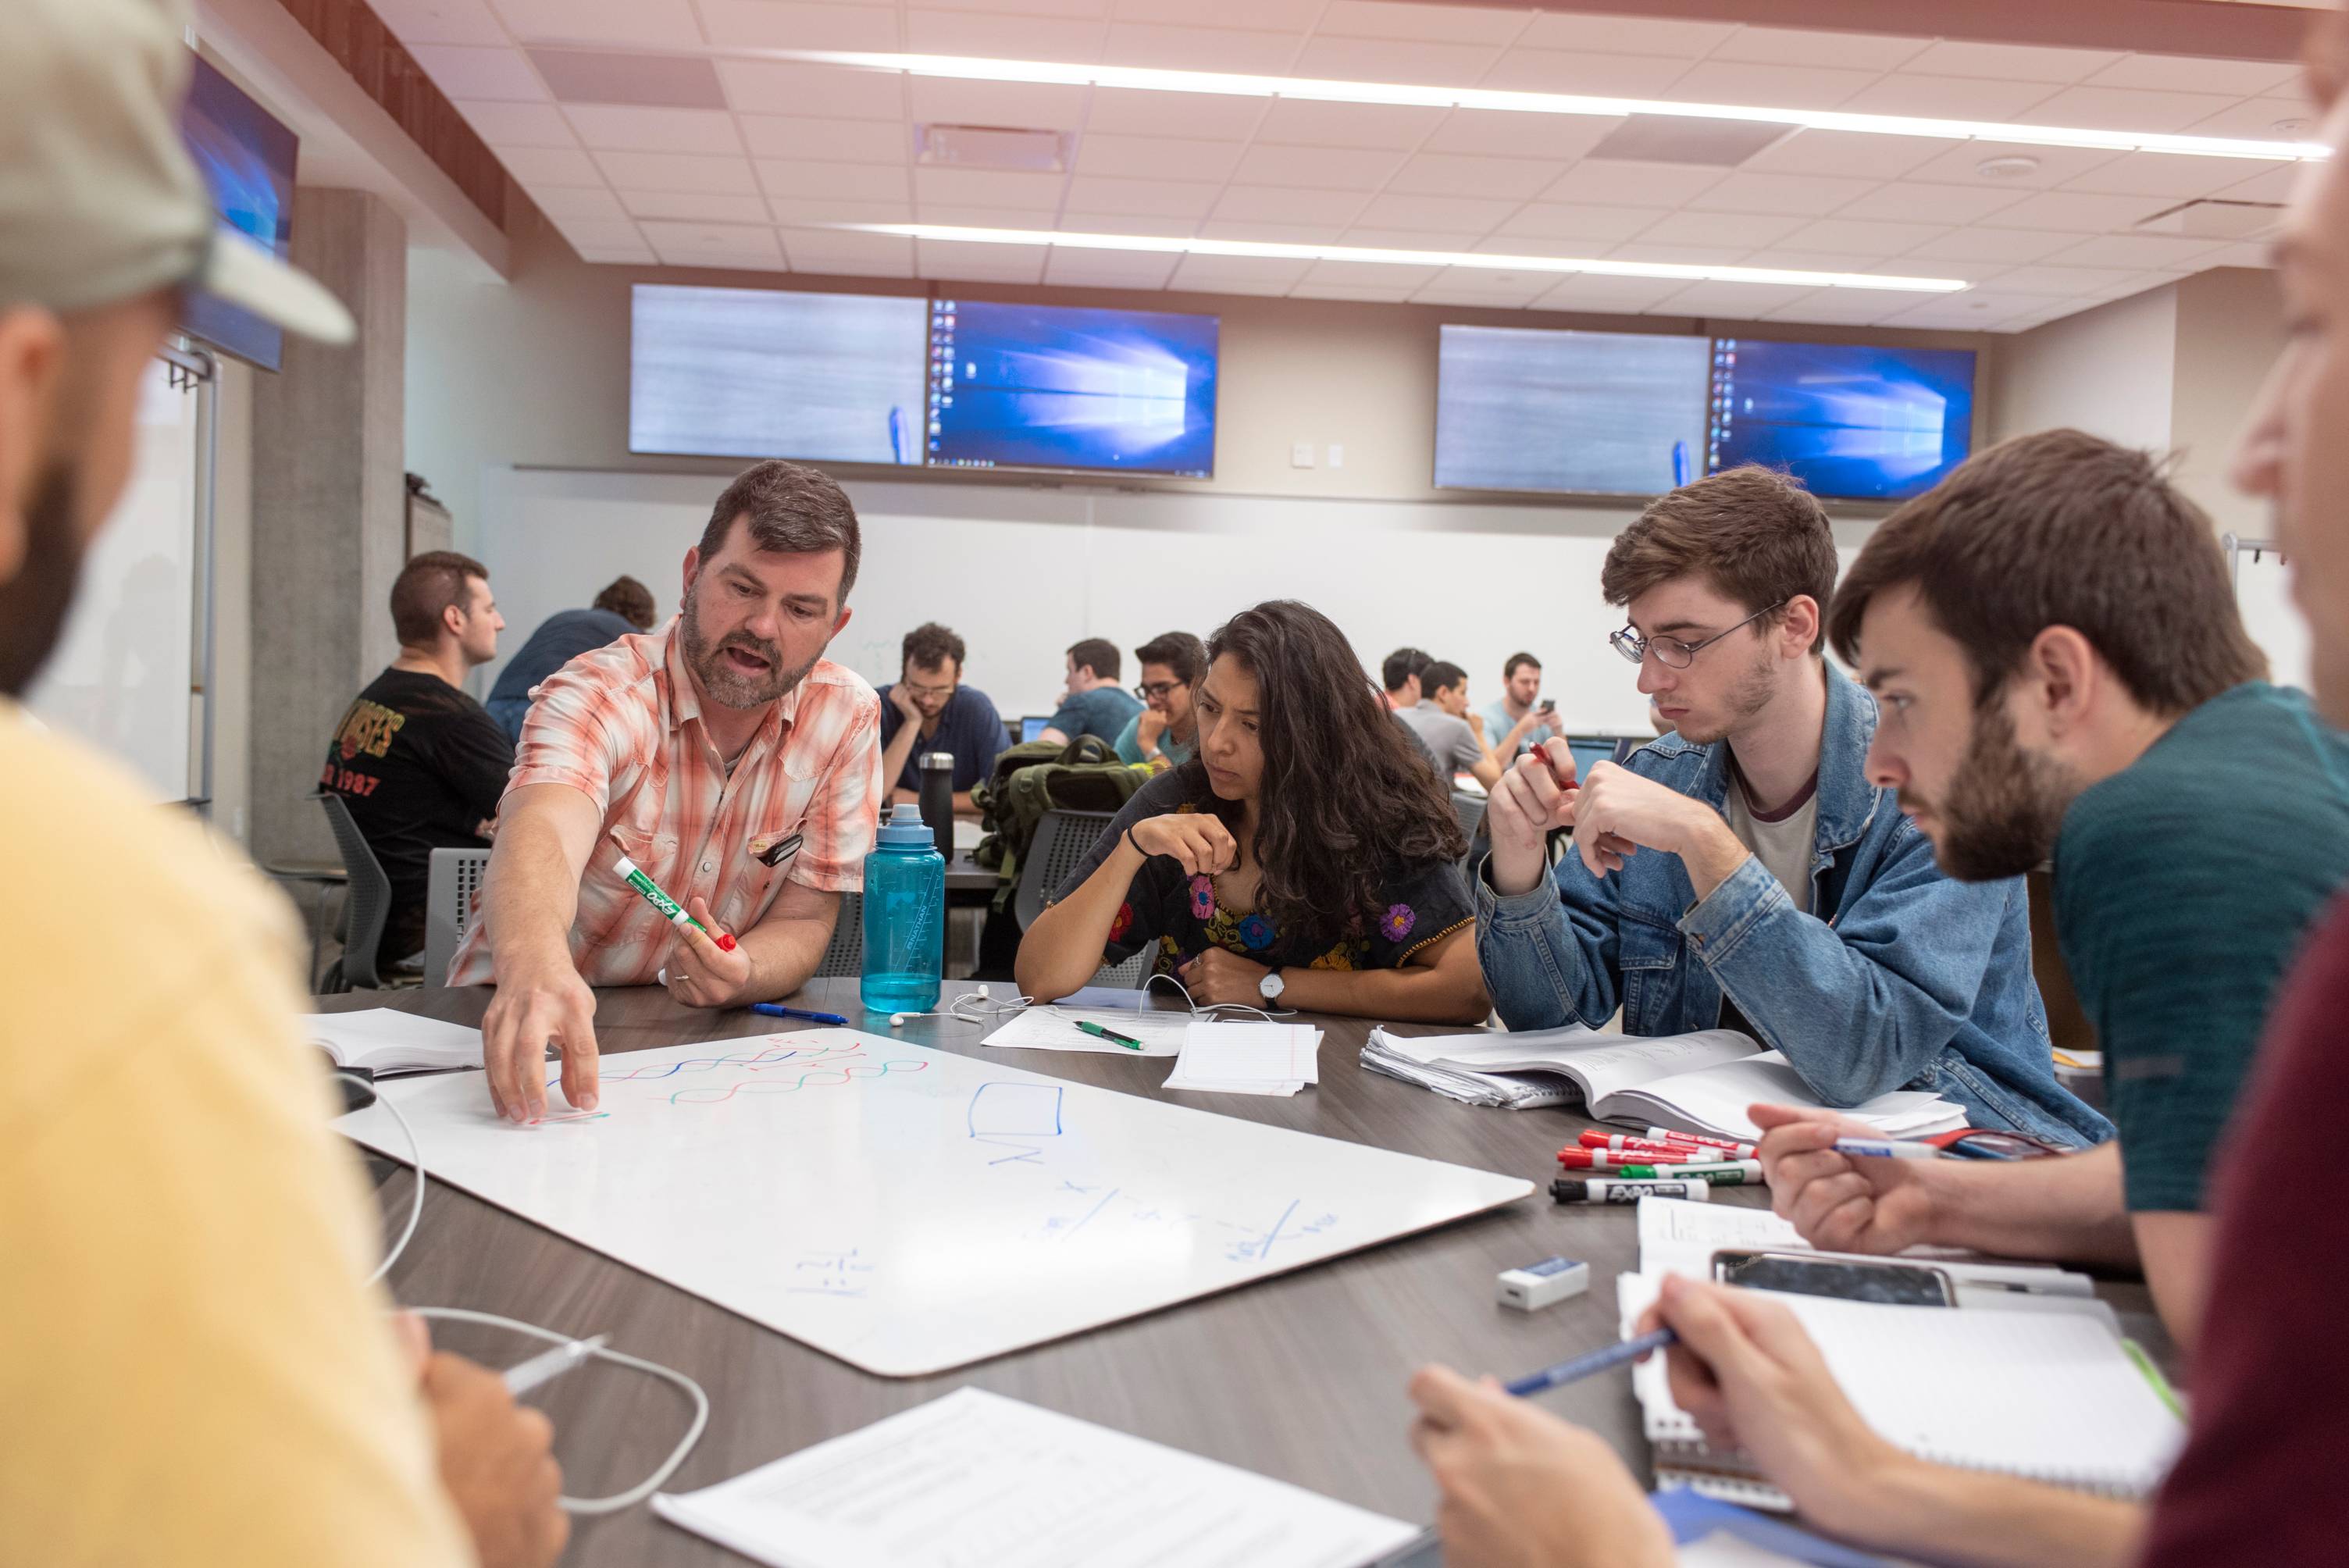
<point x="328" y="514"/>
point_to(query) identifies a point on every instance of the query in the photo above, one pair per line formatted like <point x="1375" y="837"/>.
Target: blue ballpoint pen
<point x="1597" y="1361"/>
<point x="777" y="1010"/>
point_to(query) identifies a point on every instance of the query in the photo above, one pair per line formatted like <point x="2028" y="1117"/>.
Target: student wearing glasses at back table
<point x="927" y="709"/>
<point x="1166" y="733"/>
<point x="1743" y="872"/>
<point x="1304" y="859"/>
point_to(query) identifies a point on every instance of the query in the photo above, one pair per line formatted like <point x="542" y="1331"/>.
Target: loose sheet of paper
<point x="1054" y="1029"/>
<point x="977" y="1480"/>
<point x="1248" y="1058"/>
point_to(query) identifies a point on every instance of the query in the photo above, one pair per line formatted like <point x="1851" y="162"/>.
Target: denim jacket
<point x="1903" y="978"/>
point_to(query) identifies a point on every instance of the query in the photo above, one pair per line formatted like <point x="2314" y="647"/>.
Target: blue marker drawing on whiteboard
<point x="1013" y="1117"/>
<point x="830" y="1273"/>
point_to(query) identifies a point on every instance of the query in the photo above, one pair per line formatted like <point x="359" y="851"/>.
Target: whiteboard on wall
<point x="909" y="1209"/>
<point x="124" y="676"/>
<point x="2263" y="593"/>
<point x="1022" y="574"/>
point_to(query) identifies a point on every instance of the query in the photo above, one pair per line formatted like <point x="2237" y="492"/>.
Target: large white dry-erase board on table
<point x="911" y="1211"/>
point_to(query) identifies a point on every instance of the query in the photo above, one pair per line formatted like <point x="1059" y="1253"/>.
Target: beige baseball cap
<point x="100" y="200"/>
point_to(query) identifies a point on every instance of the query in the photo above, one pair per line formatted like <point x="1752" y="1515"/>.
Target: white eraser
<point x="1536" y="1285"/>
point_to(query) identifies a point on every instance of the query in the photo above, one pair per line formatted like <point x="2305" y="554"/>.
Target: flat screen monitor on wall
<point x="1851" y="421"/>
<point x="247" y="160"/>
<point x="1057" y="386"/>
<point x="762" y="373"/>
<point x="1597" y="413"/>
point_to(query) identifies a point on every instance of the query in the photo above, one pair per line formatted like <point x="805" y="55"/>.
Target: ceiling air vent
<point x="2214" y="218"/>
<point x="1001" y="147"/>
<point x="647" y="81"/>
<point x="1686" y="138"/>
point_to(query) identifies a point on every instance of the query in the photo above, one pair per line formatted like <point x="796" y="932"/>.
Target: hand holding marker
<point x="672" y="911"/>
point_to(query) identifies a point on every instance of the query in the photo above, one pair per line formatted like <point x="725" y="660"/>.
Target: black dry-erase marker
<point x="1598" y="1191"/>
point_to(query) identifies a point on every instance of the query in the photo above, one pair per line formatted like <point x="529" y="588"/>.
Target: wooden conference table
<point x="1299" y="1377"/>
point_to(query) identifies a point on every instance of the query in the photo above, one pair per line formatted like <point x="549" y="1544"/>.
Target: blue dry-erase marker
<point x="1597" y="1361"/>
<point x="777" y="1010"/>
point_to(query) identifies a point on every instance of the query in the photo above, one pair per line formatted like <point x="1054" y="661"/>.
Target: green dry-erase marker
<point x="671" y="911"/>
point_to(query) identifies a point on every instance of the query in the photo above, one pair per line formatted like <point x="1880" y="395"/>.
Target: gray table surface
<point x="1299" y="1377"/>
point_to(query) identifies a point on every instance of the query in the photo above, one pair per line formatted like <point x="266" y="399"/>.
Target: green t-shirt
<point x="2183" y="888"/>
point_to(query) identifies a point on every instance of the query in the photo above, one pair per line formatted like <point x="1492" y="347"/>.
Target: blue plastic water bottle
<point x="904" y="918"/>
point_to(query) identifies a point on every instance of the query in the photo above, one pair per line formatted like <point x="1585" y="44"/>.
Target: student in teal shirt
<point x="1092" y="703"/>
<point x="1166" y="733"/>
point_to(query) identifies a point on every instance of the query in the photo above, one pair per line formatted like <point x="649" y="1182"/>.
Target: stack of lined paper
<point x="1248" y="1058"/>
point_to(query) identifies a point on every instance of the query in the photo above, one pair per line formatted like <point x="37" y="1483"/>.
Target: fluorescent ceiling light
<point x="1144" y="79"/>
<point x="1482" y="261"/>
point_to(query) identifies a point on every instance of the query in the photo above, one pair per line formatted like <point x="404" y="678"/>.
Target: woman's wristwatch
<point x="1271" y="986"/>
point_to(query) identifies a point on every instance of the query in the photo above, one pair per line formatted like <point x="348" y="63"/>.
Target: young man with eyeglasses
<point x="1743" y="871"/>
<point x="1166" y="733"/>
<point x="927" y="709"/>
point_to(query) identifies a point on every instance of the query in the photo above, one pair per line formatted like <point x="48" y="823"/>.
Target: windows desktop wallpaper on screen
<point x="247" y="161"/>
<point x="1850" y="420"/>
<point x="1055" y="386"/>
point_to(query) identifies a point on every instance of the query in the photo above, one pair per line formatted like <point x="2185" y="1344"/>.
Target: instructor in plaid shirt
<point x="689" y="751"/>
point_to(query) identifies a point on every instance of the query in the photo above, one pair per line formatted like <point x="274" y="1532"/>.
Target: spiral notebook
<point x="2052" y="1397"/>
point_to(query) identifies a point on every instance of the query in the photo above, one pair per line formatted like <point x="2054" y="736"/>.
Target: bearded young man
<point x="692" y="751"/>
<point x="1743" y="872"/>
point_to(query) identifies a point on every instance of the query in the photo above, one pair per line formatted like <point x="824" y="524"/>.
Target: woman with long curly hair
<point x="1305" y="858"/>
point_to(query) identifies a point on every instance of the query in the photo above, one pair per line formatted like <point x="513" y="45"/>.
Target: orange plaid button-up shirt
<point x="623" y="726"/>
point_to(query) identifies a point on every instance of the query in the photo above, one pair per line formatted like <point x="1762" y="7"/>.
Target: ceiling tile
<point x="1199" y="49"/>
<point x="1394" y="295"/>
<point x="654" y="23"/>
<point x="1452" y="174"/>
<point x="1081" y="9"/>
<point x="2061" y="281"/>
<point x="936" y="100"/>
<point x="694" y="206"/>
<point x="817" y="209"/>
<point x="2011" y="246"/>
<point x="1377" y="239"/>
<point x="566" y="202"/>
<point x="2247" y="255"/>
<point x="997" y="36"/>
<point x="1803" y="195"/>
<point x="986" y="188"/>
<point x="502" y="76"/>
<point x="1439" y="214"/>
<point x="1498" y="133"/>
<point x="1791" y="46"/>
<point x="1738" y="300"/>
<point x="1320" y="167"/>
<point x="825" y="140"/>
<point x="1861" y="238"/>
<point x="1434" y="24"/>
<point x="1076" y="219"/>
<point x="961" y="216"/>
<point x="1961" y="165"/>
<point x="1157" y="198"/>
<point x="1482" y="290"/>
<point x="1796" y="261"/>
<point x="2159" y="174"/>
<point x="1370" y="275"/>
<point x="1724" y="232"/>
<point x="713" y="244"/>
<point x="550" y="166"/>
<point x="2019" y="62"/>
<point x="1838" y="307"/>
<point x="1626" y="184"/>
<point x="2273" y="185"/>
<point x="678" y="172"/>
<point x="504" y="125"/>
<point x="2076" y="212"/>
<point x="1212" y="116"/>
<point x="1301" y="122"/>
<point x="600" y="233"/>
<point x="1914" y="201"/>
<point x="1587" y="293"/>
<point x="1237" y="274"/>
<point x="781" y="25"/>
<point x="2179" y="73"/>
<point x="763" y="87"/>
<point x="618" y="255"/>
<point x="1579" y="221"/>
<point x="962" y="261"/>
<point x="1157" y="158"/>
<point x="1287" y="205"/>
<point x="619" y="129"/>
<point x="849" y="255"/>
<point x="2136" y="251"/>
<point x="1706" y="255"/>
<point x="2256" y="117"/>
<point x="1110" y="269"/>
<point x="1576" y="71"/>
<point x="1855" y="154"/>
<point x="1772" y="86"/>
<point x="1389" y="60"/>
<point x="1272" y="16"/>
<point x="415" y="22"/>
<point x="1275" y="232"/>
<point x="845" y="181"/>
<point x="1949" y="97"/>
<point x="1626" y="34"/>
<point x="1967" y="313"/>
<point x="2125" y="108"/>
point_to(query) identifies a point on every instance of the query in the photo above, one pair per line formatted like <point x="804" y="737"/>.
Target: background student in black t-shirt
<point x="420" y="762"/>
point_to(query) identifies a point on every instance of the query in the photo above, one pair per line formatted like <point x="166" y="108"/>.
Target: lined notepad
<point x="2048" y="1396"/>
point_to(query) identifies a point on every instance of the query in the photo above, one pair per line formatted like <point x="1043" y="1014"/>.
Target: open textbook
<point x="1692" y="1083"/>
<point x="384" y="1040"/>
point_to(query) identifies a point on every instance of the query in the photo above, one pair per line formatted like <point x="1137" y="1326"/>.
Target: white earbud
<point x="896" y="1019"/>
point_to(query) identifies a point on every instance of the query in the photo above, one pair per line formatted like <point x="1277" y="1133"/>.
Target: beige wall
<point x="2107" y="371"/>
<point x="2230" y="332"/>
<point x="535" y="373"/>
